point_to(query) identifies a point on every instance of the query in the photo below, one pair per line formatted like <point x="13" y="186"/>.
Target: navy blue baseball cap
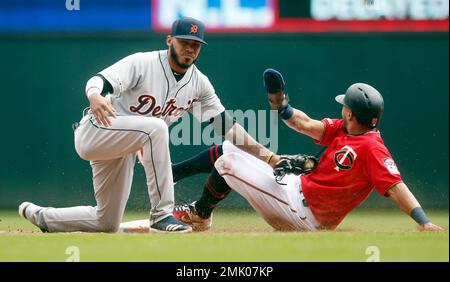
<point x="188" y="28"/>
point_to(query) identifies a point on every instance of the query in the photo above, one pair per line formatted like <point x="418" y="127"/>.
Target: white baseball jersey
<point x="143" y="84"/>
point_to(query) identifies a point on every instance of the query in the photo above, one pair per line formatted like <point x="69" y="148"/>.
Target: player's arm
<point x="212" y="109"/>
<point x="301" y="122"/>
<point x="117" y="78"/>
<point x="244" y="141"/>
<point x="100" y="106"/>
<point x="226" y="126"/>
<point x="295" y="119"/>
<point x="237" y="135"/>
<point x="405" y="200"/>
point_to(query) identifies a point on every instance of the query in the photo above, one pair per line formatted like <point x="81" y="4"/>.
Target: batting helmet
<point x="365" y="102"/>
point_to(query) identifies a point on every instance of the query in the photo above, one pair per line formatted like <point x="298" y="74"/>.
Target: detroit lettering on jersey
<point x="348" y="171"/>
<point x="144" y="84"/>
<point x="147" y="106"/>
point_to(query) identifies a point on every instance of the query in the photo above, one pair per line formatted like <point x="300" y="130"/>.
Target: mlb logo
<point x="391" y="166"/>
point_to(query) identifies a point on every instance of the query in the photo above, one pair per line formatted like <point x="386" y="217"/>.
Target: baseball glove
<point x="296" y="164"/>
<point x="275" y="88"/>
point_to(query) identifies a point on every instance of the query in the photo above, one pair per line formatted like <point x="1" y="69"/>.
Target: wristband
<point x="269" y="158"/>
<point x="286" y="111"/>
<point x="92" y="90"/>
<point x="419" y="215"/>
<point x="94" y="85"/>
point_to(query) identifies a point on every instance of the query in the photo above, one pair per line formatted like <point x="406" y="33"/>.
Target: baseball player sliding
<point x="355" y="162"/>
<point x="145" y="92"/>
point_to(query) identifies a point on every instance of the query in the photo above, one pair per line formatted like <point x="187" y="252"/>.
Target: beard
<point x="345" y="125"/>
<point x="174" y="56"/>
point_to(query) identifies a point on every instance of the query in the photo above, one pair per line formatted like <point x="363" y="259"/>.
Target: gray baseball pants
<point x="112" y="155"/>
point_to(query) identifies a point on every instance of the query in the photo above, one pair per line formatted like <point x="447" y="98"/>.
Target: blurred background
<point x="50" y="48"/>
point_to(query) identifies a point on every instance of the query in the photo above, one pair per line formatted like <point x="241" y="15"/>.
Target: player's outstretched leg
<point x="280" y="205"/>
<point x="112" y="184"/>
<point x="112" y="168"/>
<point x="198" y="217"/>
<point x="201" y="163"/>
<point x="199" y="214"/>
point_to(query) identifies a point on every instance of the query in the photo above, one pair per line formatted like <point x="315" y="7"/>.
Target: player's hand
<point x="430" y="227"/>
<point x="276" y="100"/>
<point x="101" y="109"/>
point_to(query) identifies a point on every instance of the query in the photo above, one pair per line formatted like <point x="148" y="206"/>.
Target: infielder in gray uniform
<point x="145" y="92"/>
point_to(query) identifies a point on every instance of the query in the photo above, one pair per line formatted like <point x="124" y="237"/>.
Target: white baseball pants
<point x="282" y="206"/>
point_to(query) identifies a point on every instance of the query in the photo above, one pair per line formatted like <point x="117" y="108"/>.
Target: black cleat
<point x="170" y="225"/>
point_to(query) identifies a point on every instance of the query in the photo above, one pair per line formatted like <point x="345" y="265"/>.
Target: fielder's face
<point x="184" y="52"/>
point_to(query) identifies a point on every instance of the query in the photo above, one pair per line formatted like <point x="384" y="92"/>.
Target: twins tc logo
<point x="344" y="158"/>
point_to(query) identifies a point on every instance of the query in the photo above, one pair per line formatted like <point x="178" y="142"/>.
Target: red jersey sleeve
<point x="332" y="128"/>
<point x="382" y="169"/>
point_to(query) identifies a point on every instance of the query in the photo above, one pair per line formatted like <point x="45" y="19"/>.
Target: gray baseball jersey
<point x="147" y="99"/>
<point x="145" y="86"/>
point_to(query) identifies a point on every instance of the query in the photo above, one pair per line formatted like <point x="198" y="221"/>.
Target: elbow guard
<point x="98" y="84"/>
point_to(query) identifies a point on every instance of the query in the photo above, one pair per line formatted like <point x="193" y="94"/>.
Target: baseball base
<point x="135" y="226"/>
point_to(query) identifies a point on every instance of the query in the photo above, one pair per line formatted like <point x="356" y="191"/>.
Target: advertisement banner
<point x="218" y="15"/>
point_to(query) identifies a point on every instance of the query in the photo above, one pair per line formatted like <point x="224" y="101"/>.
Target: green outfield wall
<point x="43" y="78"/>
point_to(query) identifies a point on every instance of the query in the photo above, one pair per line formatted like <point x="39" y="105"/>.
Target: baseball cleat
<point x="188" y="214"/>
<point x="273" y="81"/>
<point x="29" y="211"/>
<point x="22" y="208"/>
<point x="170" y="225"/>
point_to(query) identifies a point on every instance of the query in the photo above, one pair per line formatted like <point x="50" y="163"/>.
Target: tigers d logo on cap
<point x="189" y="29"/>
<point x="194" y="28"/>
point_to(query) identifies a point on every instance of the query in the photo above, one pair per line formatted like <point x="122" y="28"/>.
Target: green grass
<point x="236" y="236"/>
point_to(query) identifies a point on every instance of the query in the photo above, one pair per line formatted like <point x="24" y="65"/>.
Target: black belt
<point x="304" y="201"/>
<point x="75" y="125"/>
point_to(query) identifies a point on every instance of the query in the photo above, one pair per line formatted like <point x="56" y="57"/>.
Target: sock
<point x="201" y="163"/>
<point x="215" y="190"/>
